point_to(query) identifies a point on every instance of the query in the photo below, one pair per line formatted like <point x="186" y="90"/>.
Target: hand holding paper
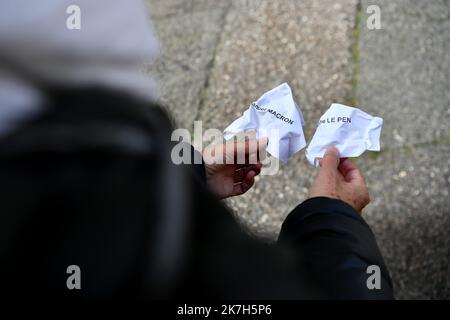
<point x="340" y="179"/>
<point x="232" y="178"/>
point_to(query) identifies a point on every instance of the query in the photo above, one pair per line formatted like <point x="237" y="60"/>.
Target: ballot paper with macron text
<point x="274" y="115"/>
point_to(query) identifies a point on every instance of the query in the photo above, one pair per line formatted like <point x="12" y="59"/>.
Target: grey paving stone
<point x="405" y="70"/>
<point x="169" y="8"/>
<point x="265" y="43"/>
<point x="188" y="38"/>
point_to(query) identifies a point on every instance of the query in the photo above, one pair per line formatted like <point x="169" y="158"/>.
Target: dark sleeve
<point x="337" y="246"/>
<point x="198" y="165"/>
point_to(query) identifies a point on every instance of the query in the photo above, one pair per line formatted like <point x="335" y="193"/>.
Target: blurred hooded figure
<point x="39" y="50"/>
<point x="86" y="180"/>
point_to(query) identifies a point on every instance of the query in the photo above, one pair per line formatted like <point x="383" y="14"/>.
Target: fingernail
<point x="264" y="140"/>
<point x="332" y="151"/>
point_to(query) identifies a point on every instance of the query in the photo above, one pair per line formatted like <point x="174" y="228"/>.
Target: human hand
<point x="239" y="163"/>
<point x="340" y="179"/>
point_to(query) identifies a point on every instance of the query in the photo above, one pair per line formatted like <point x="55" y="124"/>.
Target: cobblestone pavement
<point x="218" y="56"/>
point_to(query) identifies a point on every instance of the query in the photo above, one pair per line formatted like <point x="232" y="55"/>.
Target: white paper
<point x="275" y="115"/>
<point x="350" y="130"/>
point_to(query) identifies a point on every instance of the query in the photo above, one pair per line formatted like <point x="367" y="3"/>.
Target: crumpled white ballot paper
<point x="350" y="130"/>
<point x="275" y="115"/>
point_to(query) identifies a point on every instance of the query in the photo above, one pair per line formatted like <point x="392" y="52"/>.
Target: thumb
<point x="325" y="184"/>
<point x="330" y="161"/>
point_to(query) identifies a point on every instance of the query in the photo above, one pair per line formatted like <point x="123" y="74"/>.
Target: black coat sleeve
<point x="198" y="165"/>
<point x="337" y="246"/>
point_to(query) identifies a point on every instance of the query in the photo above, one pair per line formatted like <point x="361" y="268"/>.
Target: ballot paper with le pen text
<point x="274" y="115"/>
<point x="351" y="130"/>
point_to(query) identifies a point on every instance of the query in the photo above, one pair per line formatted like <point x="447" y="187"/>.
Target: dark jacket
<point x="90" y="183"/>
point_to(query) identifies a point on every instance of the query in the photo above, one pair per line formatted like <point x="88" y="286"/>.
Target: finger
<point x="346" y="165"/>
<point x="350" y="172"/>
<point x="252" y="151"/>
<point x="263" y="142"/>
<point x="239" y="175"/>
<point x="237" y="189"/>
<point x="258" y="154"/>
<point x="249" y="181"/>
<point x="245" y="185"/>
<point x="238" y="151"/>
<point x="355" y="175"/>
<point x="246" y="152"/>
<point x="262" y="146"/>
<point x="328" y="174"/>
<point x="244" y="169"/>
<point x="257" y="168"/>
